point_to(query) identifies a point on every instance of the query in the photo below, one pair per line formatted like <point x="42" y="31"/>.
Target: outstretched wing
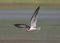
<point x="34" y="17"/>
<point x="21" y="25"/>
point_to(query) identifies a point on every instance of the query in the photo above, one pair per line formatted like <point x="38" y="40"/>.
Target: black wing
<point x="21" y="25"/>
<point x="35" y="13"/>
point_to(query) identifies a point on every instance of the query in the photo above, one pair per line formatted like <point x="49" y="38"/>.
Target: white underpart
<point x="32" y="28"/>
<point x="35" y="28"/>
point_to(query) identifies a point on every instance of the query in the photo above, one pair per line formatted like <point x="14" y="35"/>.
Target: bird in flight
<point x="33" y="21"/>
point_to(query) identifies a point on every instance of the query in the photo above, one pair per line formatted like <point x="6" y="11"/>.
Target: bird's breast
<point x="32" y="28"/>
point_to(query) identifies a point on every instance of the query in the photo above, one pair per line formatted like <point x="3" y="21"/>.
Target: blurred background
<point x="28" y="4"/>
<point x="20" y="11"/>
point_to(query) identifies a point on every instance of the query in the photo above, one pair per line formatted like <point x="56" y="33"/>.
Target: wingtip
<point x="16" y="25"/>
<point x="38" y="6"/>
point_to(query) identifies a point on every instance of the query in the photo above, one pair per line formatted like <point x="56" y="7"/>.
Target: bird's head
<point x="27" y="30"/>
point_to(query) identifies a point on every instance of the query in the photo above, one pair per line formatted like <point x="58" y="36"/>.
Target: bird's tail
<point x="38" y="28"/>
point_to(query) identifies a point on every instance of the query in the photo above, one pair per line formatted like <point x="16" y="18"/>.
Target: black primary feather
<point x="36" y="12"/>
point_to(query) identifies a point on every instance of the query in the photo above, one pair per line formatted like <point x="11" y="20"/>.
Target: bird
<point x="33" y="21"/>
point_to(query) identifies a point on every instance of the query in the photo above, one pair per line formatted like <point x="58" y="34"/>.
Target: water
<point x="21" y="14"/>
